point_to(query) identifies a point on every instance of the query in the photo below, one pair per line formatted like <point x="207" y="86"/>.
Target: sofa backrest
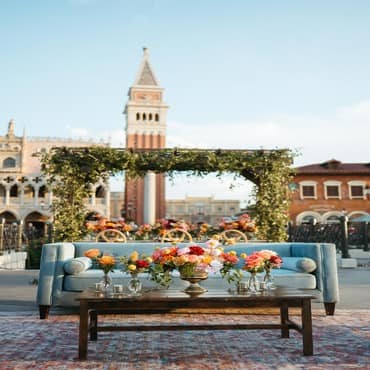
<point x="121" y="249"/>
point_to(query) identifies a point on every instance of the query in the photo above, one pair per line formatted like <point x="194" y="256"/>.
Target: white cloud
<point x="343" y="135"/>
<point x="358" y="112"/>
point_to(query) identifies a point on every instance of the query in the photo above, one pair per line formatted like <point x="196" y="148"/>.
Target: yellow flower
<point x="149" y="259"/>
<point x="134" y="256"/>
<point x="243" y="255"/>
<point x="232" y="253"/>
<point x="207" y="259"/>
<point x="131" y="267"/>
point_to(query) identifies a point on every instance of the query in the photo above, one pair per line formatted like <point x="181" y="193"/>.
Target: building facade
<point x="326" y="191"/>
<point x="24" y="194"/>
<point x="146" y="122"/>
<point x="202" y="209"/>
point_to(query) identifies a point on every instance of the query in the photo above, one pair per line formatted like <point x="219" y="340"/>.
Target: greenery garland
<point x="71" y="171"/>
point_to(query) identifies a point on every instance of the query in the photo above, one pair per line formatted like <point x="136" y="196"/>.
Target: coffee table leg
<point x="83" y="331"/>
<point x="307" y="327"/>
<point x="93" y="325"/>
<point x="284" y="317"/>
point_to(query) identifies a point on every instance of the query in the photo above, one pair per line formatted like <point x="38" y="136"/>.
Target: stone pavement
<point x="18" y="291"/>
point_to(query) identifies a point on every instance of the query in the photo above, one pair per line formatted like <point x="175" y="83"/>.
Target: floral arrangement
<point x="135" y="263"/>
<point x="253" y="263"/>
<point x="261" y="260"/>
<point x="199" y="231"/>
<point x="271" y="259"/>
<point x="243" y="223"/>
<point x="144" y="231"/>
<point x="229" y="270"/>
<point x="104" y="262"/>
<point x="188" y="261"/>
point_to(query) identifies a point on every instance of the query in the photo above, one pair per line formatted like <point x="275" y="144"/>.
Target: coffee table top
<point x="172" y="295"/>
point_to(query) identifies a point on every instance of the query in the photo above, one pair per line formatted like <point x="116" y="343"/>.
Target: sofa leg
<point x="329" y="308"/>
<point x="44" y="312"/>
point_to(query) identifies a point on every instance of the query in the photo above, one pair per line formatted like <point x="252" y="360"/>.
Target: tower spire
<point x="146" y="76"/>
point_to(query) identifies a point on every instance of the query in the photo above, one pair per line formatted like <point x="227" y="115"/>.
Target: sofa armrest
<point x="330" y="273"/>
<point x="51" y="274"/>
<point x="326" y="272"/>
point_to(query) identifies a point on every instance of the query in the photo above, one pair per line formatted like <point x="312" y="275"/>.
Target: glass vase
<point x="106" y="281"/>
<point x="134" y="285"/>
<point x="252" y="284"/>
<point x="269" y="279"/>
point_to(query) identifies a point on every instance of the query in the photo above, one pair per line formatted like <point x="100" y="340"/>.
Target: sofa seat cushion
<point x="87" y="279"/>
<point x="293" y="279"/>
<point x="282" y="277"/>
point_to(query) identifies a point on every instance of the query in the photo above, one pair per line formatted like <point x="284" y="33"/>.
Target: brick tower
<point x="145" y="128"/>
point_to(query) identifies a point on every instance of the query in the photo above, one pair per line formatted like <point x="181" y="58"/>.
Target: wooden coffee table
<point x="168" y="301"/>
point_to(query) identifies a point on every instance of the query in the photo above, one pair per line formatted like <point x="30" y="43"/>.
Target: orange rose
<point x="92" y="253"/>
<point x="107" y="261"/>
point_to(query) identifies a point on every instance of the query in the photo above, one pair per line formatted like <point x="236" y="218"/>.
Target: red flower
<point x="275" y="260"/>
<point x="142" y="264"/>
<point x="195" y="249"/>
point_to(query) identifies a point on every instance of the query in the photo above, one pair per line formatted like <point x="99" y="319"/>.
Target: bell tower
<point x="146" y="122"/>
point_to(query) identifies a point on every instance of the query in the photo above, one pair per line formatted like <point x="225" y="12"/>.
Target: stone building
<point x="146" y="122"/>
<point x="326" y="191"/>
<point x="24" y="195"/>
<point x="201" y="209"/>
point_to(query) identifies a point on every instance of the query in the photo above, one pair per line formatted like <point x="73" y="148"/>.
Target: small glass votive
<point x="117" y="288"/>
<point x="242" y="287"/>
<point x="99" y="287"/>
<point x="263" y="285"/>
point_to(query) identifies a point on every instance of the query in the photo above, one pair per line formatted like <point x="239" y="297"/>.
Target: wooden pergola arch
<point x="71" y="170"/>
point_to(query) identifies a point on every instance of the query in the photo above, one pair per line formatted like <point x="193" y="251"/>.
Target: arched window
<point x="29" y="192"/>
<point x="150" y="116"/>
<point x="42" y="191"/>
<point x="100" y="192"/>
<point x="157" y="117"/>
<point x="9" y="162"/>
<point x="137" y="116"/>
<point x="144" y="117"/>
<point x="14" y="191"/>
<point x="2" y="191"/>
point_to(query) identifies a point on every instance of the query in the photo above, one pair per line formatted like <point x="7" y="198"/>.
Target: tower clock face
<point x="145" y="97"/>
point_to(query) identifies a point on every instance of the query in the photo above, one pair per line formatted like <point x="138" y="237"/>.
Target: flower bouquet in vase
<point x="254" y="263"/>
<point x="105" y="263"/>
<point x="135" y="264"/>
<point x="193" y="263"/>
<point x="271" y="261"/>
<point x="229" y="271"/>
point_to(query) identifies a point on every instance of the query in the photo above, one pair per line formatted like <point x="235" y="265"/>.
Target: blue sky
<point x="237" y="74"/>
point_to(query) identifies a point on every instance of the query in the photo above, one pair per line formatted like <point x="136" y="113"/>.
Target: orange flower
<point x="107" y="261"/>
<point x="92" y="253"/>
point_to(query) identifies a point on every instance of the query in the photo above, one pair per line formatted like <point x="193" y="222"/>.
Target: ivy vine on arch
<point x="71" y="171"/>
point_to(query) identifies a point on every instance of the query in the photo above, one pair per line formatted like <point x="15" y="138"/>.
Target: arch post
<point x="149" y="198"/>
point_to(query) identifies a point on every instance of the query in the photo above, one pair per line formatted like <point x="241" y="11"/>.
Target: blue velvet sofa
<point x="309" y="266"/>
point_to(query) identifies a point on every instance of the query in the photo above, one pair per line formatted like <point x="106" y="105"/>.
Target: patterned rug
<point x="340" y="342"/>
